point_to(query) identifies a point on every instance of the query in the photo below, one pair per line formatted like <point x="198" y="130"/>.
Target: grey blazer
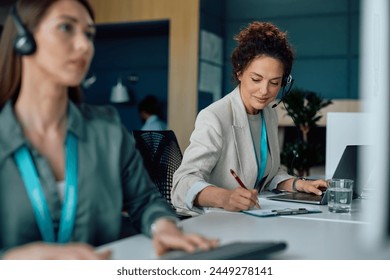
<point x="222" y="141"/>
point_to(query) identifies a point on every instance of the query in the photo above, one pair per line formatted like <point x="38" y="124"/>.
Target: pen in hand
<point x="242" y="185"/>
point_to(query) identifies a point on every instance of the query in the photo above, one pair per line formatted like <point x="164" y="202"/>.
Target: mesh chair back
<point x="162" y="156"/>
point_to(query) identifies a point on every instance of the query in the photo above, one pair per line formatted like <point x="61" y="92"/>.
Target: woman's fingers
<point x="186" y="242"/>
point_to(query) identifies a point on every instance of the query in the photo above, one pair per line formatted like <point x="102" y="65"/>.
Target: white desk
<point x="309" y="236"/>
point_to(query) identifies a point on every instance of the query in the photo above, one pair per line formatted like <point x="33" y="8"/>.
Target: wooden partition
<point x="183" y="51"/>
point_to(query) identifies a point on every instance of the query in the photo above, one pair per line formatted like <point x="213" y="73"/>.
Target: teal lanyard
<point x="263" y="151"/>
<point x="37" y="197"/>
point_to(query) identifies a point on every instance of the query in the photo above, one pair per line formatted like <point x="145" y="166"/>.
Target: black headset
<point x="24" y="43"/>
<point x="287" y="83"/>
<point x="287" y="79"/>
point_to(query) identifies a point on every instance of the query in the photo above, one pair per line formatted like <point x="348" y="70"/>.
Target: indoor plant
<point x="303" y="106"/>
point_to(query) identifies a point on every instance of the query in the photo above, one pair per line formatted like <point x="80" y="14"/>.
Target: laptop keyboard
<point x="306" y="196"/>
<point x="302" y="196"/>
<point x="233" y="251"/>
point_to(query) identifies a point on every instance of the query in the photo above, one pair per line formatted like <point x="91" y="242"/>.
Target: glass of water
<point x="340" y="195"/>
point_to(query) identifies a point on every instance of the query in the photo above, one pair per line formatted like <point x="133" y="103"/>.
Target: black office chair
<point x="162" y="156"/>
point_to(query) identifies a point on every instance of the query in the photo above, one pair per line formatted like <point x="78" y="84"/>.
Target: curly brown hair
<point x="261" y="38"/>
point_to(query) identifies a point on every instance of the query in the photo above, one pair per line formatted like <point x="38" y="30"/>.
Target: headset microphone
<point x="276" y="104"/>
<point x="289" y="81"/>
<point x="24" y="42"/>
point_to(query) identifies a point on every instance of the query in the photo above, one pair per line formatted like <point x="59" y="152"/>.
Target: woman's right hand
<point x="167" y="236"/>
<point x="44" y="251"/>
<point x="240" y="199"/>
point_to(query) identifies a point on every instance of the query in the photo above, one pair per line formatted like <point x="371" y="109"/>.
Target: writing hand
<point x="240" y="199"/>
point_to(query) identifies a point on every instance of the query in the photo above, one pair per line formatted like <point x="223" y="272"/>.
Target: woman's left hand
<point x="311" y="186"/>
<point x="167" y="236"/>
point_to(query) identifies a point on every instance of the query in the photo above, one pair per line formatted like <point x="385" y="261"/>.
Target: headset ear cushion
<point x="287" y="79"/>
<point x="284" y="81"/>
<point x="24" y="44"/>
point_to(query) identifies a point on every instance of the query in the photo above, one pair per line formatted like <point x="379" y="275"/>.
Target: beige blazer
<point x="222" y="141"/>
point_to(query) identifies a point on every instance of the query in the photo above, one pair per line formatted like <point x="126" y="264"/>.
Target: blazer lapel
<point x="271" y="124"/>
<point x="243" y="141"/>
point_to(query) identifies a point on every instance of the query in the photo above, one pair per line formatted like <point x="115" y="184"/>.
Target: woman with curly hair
<point x="239" y="132"/>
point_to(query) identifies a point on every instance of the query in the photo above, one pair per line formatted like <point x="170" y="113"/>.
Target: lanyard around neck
<point x="263" y="151"/>
<point x="37" y="197"/>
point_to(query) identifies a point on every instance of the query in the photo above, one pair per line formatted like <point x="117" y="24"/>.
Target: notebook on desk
<point x="232" y="251"/>
<point x="346" y="169"/>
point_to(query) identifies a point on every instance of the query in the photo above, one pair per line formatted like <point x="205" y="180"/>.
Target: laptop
<point x="232" y="251"/>
<point x="346" y="169"/>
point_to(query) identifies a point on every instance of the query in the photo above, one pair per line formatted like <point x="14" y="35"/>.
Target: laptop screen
<point x="348" y="167"/>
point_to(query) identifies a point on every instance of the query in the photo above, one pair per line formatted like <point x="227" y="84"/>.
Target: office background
<point x="160" y="51"/>
<point x="179" y="50"/>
